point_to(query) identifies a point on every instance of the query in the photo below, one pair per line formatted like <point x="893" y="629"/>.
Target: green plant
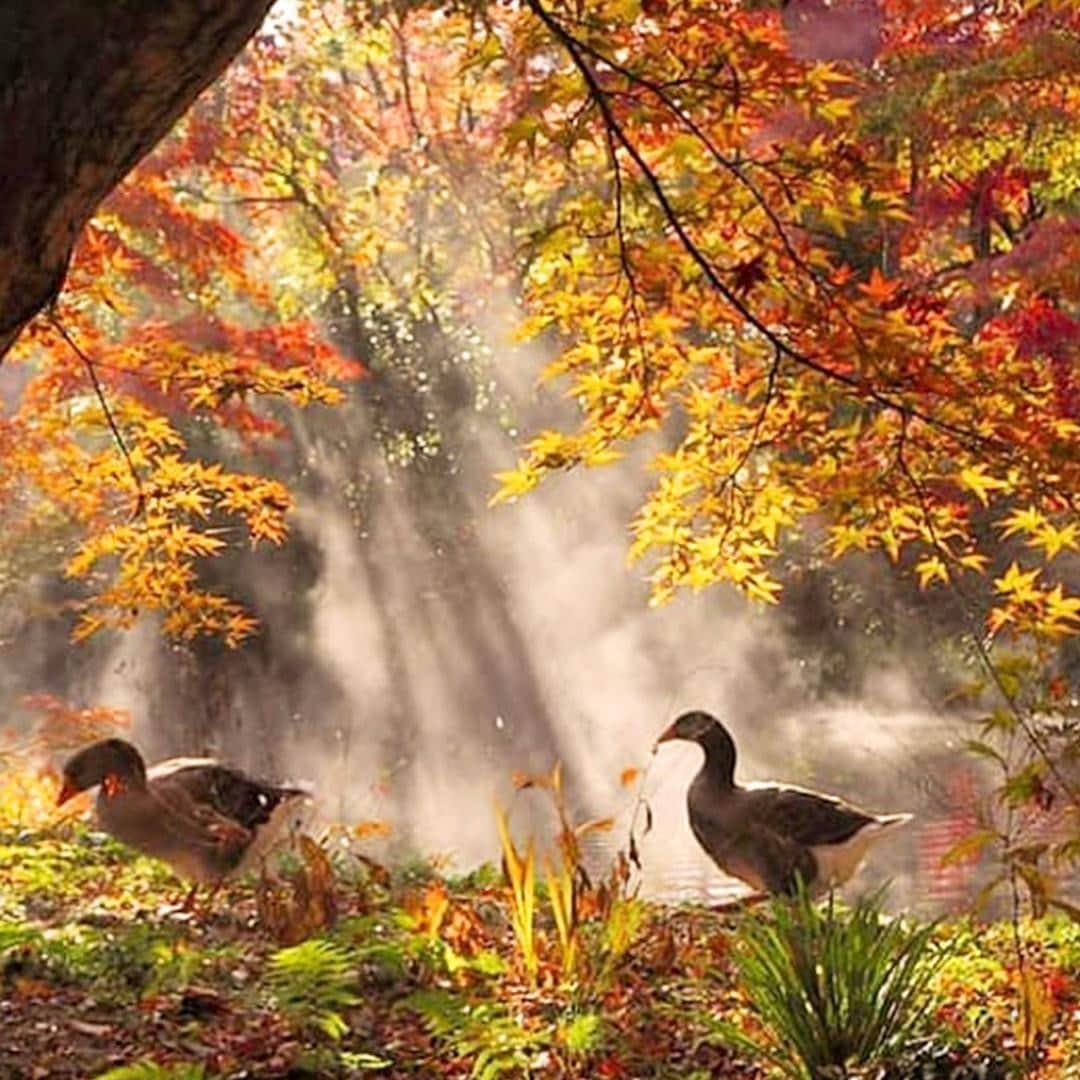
<point x="330" y="1060"/>
<point x="610" y="940"/>
<point x="497" y="1043"/>
<point x="361" y="1062"/>
<point x="313" y="982"/>
<point x="521" y="876"/>
<point x="593" y="924"/>
<point x="834" y="987"/>
<point x="16" y="937"/>
<point x="116" y="964"/>
<point x="149" y="1070"/>
<point x="581" y="1033"/>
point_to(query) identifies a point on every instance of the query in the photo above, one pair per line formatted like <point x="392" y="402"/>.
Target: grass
<point x="836" y="989"/>
<point x="423" y="976"/>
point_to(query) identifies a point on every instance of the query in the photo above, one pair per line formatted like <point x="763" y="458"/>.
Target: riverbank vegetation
<point x="343" y="967"/>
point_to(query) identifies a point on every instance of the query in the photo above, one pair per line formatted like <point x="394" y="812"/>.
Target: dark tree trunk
<point x="87" y="87"/>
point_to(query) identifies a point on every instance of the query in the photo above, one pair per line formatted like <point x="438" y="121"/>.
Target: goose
<point x="207" y="820"/>
<point x="769" y="835"/>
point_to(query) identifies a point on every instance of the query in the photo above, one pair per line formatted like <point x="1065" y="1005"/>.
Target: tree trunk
<point x="87" y="87"/>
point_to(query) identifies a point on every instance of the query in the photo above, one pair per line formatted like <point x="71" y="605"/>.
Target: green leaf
<point x="982" y="749"/>
<point x="969" y="847"/>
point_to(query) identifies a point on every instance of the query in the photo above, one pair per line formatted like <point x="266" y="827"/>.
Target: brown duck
<point x="768" y="835"/>
<point x="208" y="821"/>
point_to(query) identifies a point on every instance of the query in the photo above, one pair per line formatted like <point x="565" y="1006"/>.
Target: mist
<point x="418" y="647"/>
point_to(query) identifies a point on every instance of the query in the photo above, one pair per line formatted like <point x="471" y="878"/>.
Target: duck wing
<point x="220" y="791"/>
<point x="745" y="846"/>
<point x="803" y="817"/>
<point x="164" y="824"/>
<point x="188" y="815"/>
<point x="762" y="858"/>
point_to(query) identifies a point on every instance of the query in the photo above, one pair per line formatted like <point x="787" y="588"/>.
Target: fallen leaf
<point x="371" y="827"/>
<point x="84" y="1027"/>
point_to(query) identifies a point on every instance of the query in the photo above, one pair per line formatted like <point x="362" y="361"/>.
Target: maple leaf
<point x="373" y="827"/>
<point x="1018" y="583"/>
<point x="880" y="289"/>
<point x="977" y="479"/>
<point x="931" y="569"/>
<point x="746" y="275"/>
<point x="1053" y="540"/>
<point x="1062" y="612"/>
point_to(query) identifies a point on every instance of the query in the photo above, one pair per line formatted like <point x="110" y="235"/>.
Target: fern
<point x="582" y="1033"/>
<point x="485" y="1034"/>
<point x="313" y="982"/>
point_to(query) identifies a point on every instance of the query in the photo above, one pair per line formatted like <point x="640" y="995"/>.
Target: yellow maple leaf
<point x="931" y="569"/>
<point x="980" y="483"/>
<point x="1018" y="583"/>
<point x="513" y="483"/>
<point x="1053" y="540"/>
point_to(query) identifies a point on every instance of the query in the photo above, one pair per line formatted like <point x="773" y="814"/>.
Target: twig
<point x="1019" y="947"/>
<point x="99" y="390"/>
<point x="632" y="853"/>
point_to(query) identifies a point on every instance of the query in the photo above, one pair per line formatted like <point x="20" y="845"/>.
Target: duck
<point x="772" y="836"/>
<point x="208" y="821"/>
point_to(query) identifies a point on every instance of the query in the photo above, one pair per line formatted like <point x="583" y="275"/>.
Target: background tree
<point x="830" y="279"/>
<point x="840" y="277"/>
<point x="64" y="67"/>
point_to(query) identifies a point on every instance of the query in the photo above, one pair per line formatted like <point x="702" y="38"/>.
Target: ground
<point x="407" y="974"/>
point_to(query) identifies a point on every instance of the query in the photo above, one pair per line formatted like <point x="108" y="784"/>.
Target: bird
<point x="772" y="836"/>
<point x="206" y="820"/>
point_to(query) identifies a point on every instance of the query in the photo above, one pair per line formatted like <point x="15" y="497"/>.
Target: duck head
<point x="705" y="730"/>
<point x="113" y="763"/>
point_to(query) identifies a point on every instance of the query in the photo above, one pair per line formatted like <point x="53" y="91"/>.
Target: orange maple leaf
<point x="880" y="288"/>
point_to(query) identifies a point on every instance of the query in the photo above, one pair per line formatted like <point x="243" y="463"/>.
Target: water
<point x="911" y="863"/>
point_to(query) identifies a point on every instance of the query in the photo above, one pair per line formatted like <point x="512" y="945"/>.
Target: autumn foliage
<point x="838" y="275"/>
<point x="844" y="291"/>
<point x="825" y="259"/>
<point x="162" y="333"/>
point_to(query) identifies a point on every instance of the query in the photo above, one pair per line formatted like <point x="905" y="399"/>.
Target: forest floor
<point x="408" y="973"/>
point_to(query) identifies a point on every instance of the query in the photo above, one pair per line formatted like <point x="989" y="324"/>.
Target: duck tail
<point x="893" y="821"/>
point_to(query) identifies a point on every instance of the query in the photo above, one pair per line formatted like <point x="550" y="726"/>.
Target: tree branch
<point x="860" y="388"/>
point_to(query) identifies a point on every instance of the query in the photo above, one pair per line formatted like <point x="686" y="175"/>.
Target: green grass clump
<point x="117" y="964"/>
<point x="835" y="988"/>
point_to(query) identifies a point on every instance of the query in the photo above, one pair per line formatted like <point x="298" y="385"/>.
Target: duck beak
<point x="667" y="734"/>
<point x="68" y="791"/>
